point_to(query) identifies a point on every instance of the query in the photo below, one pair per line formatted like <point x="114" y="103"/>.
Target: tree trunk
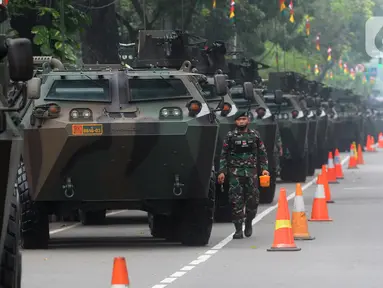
<point x="100" y="39"/>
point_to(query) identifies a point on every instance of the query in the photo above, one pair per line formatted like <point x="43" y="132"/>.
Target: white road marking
<point x="59" y="230"/>
<point x="213" y="251"/>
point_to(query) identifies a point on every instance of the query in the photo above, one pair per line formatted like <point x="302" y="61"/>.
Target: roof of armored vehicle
<point x="135" y="72"/>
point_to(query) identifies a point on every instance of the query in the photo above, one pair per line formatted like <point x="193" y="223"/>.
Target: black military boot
<point x="238" y="231"/>
<point x="248" y="227"/>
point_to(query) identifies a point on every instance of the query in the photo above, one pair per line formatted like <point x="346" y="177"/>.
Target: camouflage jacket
<point x="239" y="153"/>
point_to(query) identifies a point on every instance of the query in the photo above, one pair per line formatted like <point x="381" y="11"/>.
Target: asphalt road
<point x="348" y="250"/>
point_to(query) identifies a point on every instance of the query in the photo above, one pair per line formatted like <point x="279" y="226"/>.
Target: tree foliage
<point x="262" y="30"/>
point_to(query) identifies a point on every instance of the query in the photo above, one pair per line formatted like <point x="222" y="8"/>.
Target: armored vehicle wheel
<point x="34" y="217"/>
<point x="10" y="267"/>
<point x="267" y="194"/>
<point x="295" y="170"/>
<point x="163" y="226"/>
<point x="197" y="218"/>
<point x="95" y="217"/>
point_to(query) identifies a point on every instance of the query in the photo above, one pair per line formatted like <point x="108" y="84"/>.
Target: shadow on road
<point x="111" y="242"/>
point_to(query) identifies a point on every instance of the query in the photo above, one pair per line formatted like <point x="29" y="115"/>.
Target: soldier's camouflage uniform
<point x="239" y="163"/>
<point x="278" y="151"/>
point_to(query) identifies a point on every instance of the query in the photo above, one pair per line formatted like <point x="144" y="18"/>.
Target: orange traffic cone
<point x="319" y="210"/>
<point x="352" y="163"/>
<point x="380" y="140"/>
<point x="283" y="234"/>
<point x="338" y="165"/>
<point x="323" y="180"/>
<point x="120" y="277"/>
<point x="299" y="219"/>
<point x="360" y="160"/>
<point x="331" y="173"/>
<point x="368" y="143"/>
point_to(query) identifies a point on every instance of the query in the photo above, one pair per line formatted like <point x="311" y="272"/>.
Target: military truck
<point x="16" y="69"/>
<point x="102" y="137"/>
<point x="293" y="125"/>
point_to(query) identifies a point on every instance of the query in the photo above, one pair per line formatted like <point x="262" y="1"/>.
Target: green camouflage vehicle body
<point x="16" y="65"/>
<point x="111" y="138"/>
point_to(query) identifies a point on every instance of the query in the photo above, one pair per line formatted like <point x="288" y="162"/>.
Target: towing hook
<point x="177" y="187"/>
<point x="68" y="188"/>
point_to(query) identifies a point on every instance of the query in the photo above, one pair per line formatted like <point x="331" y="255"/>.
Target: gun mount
<point x="288" y="82"/>
<point x="245" y="70"/>
<point x="170" y="49"/>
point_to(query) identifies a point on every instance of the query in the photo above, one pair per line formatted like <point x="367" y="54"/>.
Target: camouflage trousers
<point x="243" y="195"/>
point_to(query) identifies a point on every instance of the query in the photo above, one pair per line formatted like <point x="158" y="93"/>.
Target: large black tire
<point x="196" y="217"/>
<point x="96" y="217"/>
<point x="163" y="226"/>
<point x="295" y="170"/>
<point x="34" y="217"/>
<point x="10" y="267"/>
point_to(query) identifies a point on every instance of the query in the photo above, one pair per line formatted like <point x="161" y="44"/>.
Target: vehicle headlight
<point x="74" y="114"/>
<point x="176" y="112"/>
<point x="165" y="112"/>
<point x="171" y="112"/>
<point x="285" y="116"/>
<point x="280" y="116"/>
<point x="86" y="113"/>
<point x="80" y="114"/>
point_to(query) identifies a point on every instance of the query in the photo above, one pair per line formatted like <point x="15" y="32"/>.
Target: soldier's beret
<point x="241" y="113"/>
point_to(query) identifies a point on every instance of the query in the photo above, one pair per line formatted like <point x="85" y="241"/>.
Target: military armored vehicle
<point x="349" y="125"/>
<point x="318" y="140"/>
<point x="15" y="65"/>
<point x="293" y="126"/>
<point x="325" y="125"/>
<point x="102" y="137"/>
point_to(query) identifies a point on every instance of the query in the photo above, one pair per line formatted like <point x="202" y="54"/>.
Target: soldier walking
<point x="242" y="152"/>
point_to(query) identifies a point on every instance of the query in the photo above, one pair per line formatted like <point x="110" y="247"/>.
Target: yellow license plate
<point x="87" y="129"/>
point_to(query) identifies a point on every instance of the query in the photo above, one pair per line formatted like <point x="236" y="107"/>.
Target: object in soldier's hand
<point x="264" y="181"/>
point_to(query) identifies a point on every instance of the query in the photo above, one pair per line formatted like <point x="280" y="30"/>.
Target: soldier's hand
<point x="221" y="178"/>
<point x="265" y="172"/>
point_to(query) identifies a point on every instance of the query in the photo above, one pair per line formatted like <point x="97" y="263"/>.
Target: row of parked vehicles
<point x="147" y="136"/>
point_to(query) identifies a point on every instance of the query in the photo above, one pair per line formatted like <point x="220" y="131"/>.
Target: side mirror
<point x="310" y="102"/>
<point x="220" y="84"/>
<point x="278" y="94"/>
<point x="20" y="58"/>
<point x="248" y="91"/>
<point x="34" y="88"/>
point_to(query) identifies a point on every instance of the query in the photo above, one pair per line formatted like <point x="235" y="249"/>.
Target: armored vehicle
<point x="293" y="126"/>
<point x="318" y="137"/>
<point x="110" y="138"/>
<point x="349" y="126"/>
<point x="15" y="65"/>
